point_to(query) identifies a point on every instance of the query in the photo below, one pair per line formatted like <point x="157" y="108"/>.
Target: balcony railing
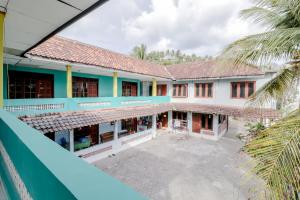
<point x="34" y="167"/>
<point x="38" y="106"/>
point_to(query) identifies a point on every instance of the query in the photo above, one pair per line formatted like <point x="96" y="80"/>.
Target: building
<point x="95" y="102"/>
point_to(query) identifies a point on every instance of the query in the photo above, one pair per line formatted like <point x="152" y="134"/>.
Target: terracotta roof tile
<point x="211" y="69"/>
<point x="63" y="49"/>
<point x="59" y="121"/>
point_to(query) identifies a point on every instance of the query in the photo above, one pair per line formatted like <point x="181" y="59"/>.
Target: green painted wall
<point x="51" y="172"/>
<point x="60" y="80"/>
<point x="105" y="82"/>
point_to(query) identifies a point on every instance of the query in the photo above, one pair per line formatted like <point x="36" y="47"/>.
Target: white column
<point x="154" y="126"/>
<point x="116" y="142"/>
<point x="191" y="89"/>
<point x="189" y="121"/>
<point x="215" y="125"/>
<point x="71" y="134"/>
<point x="170" y="120"/>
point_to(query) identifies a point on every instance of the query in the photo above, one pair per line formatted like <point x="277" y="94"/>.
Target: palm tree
<point x="140" y="52"/>
<point x="276" y="150"/>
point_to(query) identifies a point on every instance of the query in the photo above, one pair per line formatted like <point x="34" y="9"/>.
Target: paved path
<point x="184" y="168"/>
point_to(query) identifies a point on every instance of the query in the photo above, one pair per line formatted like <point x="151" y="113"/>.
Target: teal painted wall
<point x="105" y="82"/>
<point x="120" y="80"/>
<point x="51" y="172"/>
<point x="60" y="80"/>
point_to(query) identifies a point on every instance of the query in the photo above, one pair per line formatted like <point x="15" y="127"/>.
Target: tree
<point x="140" y="52"/>
<point x="276" y="150"/>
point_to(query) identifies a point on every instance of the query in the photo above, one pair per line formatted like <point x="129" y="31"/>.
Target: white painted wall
<point x="221" y="91"/>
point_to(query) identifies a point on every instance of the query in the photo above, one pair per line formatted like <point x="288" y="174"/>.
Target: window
<point x="204" y="90"/>
<point x="180" y="90"/>
<point x="130" y="125"/>
<point x="242" y="90"/>
<point x="129" y="89"/>
<point x="161" y="90"/>
<point x="27" y="85"/>
<point x="84" y="87"/>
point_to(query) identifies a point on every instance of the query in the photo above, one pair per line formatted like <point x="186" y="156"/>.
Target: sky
<point x="202" y="27"/>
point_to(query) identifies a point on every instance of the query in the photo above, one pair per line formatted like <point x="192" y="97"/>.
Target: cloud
<point x="193" y="26"/>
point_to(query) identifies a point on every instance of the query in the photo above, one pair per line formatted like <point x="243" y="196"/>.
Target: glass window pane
<point x="242" y="89"/>
<point x="203" y="90"/>
<point x="233" y="90"/>
<point x="209" y="92"/>
<point x="174" y="90"/>
<point x="250" y="88"/>
<point x="184" y="91"/>
<point x="179" y="91"/>
<point x="197" y="90"/>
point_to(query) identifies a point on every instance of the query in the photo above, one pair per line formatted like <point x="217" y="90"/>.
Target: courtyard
<point x="179" y="166"/>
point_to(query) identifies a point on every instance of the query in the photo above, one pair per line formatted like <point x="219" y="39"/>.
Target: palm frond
<point x="275" y="88"/>
<point x="264" y="48"/>
<point x="263" y="16"/>
<point x="276" y="152"/>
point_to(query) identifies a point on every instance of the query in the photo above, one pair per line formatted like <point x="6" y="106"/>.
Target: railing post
<point x="71" y="132"/>
<point x="154" y="87"/>
<point x="215" y="125"/>
<point x="115" y="84"/>
<point x="69" y="81"/>
<point x="116" y="142"/>
<point x="154" y="126"/>
<point x="2" y="16"/>
<point x="170" y="120"/>
<point x="189" y="121"/>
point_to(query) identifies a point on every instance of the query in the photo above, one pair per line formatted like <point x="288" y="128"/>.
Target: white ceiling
<point x="29" y="21"/>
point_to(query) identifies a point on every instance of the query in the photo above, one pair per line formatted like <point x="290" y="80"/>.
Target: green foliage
<point x="276" y="149"/>
<point x="168" y="57"/>
<point x="255" y="128"/>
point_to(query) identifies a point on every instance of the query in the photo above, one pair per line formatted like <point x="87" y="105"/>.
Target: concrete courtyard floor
<point x="177" y="166"/>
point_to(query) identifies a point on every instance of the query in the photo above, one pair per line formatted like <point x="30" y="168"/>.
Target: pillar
<point x="116" y="142"/>
<point x="2" y="16"/>
<point x="189" y="122"/>
<point x="154" y="87"/>
<point x="115" y="84"/>
<point x="170" y="120"/>
<point x="69" y="81"/>
<point x="154" y="126"/>
<point x="71" y="134"/>
<point x="215" y="125"/>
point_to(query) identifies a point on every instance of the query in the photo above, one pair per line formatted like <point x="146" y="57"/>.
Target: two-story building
<point x="96" y="102"/>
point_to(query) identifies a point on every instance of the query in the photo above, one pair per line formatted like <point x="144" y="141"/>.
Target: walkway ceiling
<point x="30" y="22"/>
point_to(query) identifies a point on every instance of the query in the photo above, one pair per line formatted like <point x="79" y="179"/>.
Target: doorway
<point x="162" y="121"/>
<point x="196" y="122"/>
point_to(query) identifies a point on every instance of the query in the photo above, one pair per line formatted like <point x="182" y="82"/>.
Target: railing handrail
<point x="38" y="106"/>
<point x="49" y="171"/>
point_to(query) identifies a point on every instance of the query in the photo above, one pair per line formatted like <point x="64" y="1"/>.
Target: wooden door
<point x="164" y="120"/>
<point x="134" y="90"/>
<point x="196" y="122"/>
<point x="162" y="90"/>
<point x="44" y="88"/>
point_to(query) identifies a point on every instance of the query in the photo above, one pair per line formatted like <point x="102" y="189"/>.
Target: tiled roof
<point x="248" y="113"/>
<point x="63" y="49"/>
<point x="211" y="69"/>
<point x="53" y="122"/>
